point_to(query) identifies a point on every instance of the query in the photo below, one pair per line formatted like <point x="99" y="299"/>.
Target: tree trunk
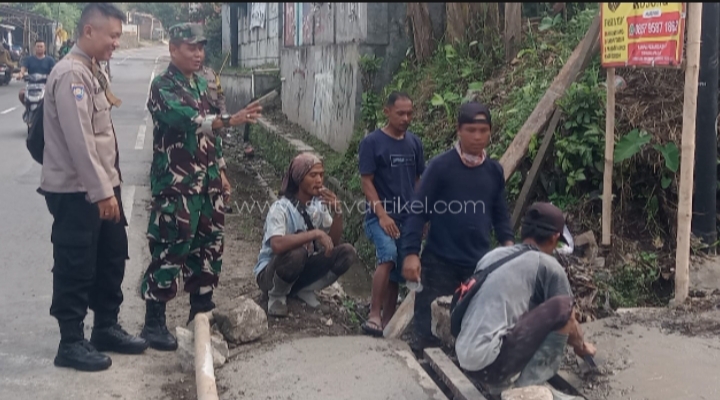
<point x="469" y="19"/>
<point x="421" y="30"/>
<point x="513" y="29"/>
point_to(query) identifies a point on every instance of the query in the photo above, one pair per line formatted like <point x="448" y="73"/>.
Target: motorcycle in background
<point x="6" y="72"/>
<point x="34" y="93"/>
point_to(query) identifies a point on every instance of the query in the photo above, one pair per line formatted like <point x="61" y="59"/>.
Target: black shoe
<point x="155" y="331"/>
<point x="200" y="303"/>
<point x="115" y="339"/>
<point x="81" y="356"/>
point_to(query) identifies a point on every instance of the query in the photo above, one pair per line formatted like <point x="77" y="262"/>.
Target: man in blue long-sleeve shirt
<point x="462" y="195"/>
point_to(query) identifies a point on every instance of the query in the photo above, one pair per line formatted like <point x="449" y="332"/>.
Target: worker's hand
<point x="325" y="241"/>
<point x="587" y="349"/>
<point x="227" y="187"/>
<point x="389" y="226"/>
<point x="330" y="200"/>
<point x="250" y="114"/>
<point x="109" y="209"/>
<point x="411" y="268"/>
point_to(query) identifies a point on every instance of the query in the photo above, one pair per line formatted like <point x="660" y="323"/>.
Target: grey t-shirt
<point x="509" y="292"/>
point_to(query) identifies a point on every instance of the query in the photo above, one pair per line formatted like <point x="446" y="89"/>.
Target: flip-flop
<point x="371" y="329"/>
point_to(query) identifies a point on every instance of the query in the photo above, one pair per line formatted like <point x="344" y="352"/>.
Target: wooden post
<point x="609" y="158"/>
<point x="687" y="165"/>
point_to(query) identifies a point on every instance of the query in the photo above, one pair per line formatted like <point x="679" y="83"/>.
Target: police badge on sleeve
<point x="78" y="90"/>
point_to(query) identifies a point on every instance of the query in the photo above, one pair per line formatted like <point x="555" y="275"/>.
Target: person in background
<point x="301" y="250"/>
<point x="189" y="186"/>
<point x="462" y="196"/>
<point x="66" y="48"/>
<point x="391" y="161"/>
<point x="81" y="182"/>
<point x="39" y="63"/>
<point x="522" y="317"/>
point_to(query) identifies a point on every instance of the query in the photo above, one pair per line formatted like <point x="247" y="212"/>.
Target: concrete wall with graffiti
<point x="259" y="35"/>
<point x="322" y="44"/>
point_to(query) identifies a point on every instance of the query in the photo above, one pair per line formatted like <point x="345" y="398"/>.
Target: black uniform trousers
<point x="439" y="278"/>
<point x="89" y="262"/>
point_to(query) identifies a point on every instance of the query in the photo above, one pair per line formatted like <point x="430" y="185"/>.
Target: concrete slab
<point x="705" y="275"/>
<point x="328" y="368"/>
<point x="644" y="361"/>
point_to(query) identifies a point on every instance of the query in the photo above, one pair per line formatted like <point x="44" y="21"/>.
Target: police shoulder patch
<point x="78" y="90"/>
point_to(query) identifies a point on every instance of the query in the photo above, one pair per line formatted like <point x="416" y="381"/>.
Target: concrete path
<point x="28" y="334"/>
<point x="644" y="358"/>
<point x="328" y="368"/>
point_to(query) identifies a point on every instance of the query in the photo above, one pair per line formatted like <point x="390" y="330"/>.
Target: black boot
<point x="76" y="352"/>
<point x="200" y="303"/>
<point x="108" y="335"/>
<point x="155" y="331"/>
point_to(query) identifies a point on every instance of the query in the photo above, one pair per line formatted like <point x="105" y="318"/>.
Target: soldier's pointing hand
<point x="248" y="114"/>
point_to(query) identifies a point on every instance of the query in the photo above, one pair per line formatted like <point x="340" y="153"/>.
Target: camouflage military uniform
<point x="186" y="224"/>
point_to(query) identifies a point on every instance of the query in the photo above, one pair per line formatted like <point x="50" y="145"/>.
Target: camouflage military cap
<point x="187" y="32"/>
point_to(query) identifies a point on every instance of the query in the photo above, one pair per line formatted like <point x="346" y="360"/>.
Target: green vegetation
<point x="646" y="155"/>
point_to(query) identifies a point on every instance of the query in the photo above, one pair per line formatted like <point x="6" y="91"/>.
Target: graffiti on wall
<point x="343" y="91"/>
<point x="289" y="24"/>
<point x="353" y="12"/>
<point x="333" y="98"/>
<point x="322" y="96"/>
<point x="307" y="23"/>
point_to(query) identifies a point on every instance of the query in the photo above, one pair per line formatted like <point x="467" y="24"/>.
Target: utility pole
<point x="704" y="223"/>
<point x="234" y="34"/>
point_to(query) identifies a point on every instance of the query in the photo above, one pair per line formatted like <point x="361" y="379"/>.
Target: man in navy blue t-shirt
<point x="38" y="63"/>
<point x="462" y="196"/>
<point x="391" y="162"/>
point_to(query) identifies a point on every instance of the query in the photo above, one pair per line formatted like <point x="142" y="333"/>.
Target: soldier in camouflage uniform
<point x="188" y="181"/>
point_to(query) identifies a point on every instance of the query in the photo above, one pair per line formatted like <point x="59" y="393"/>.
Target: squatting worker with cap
<point x="188" y="183"/>
<point x="522" y="317"/>
<point x="462" y="195"/>
<point x="81" y="184"/>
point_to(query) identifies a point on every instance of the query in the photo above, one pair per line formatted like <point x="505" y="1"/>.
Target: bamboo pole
<point x="609" y="159"/>
<point x="692" y="71"/>
<point x="204" y="371"/>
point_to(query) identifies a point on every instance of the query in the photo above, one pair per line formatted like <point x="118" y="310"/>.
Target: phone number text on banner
<point x="641" y="34"/>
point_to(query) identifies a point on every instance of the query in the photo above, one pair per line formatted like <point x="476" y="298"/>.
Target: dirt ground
<point x="243" y="234"/>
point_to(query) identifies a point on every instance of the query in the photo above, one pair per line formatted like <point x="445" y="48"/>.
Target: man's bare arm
<point x="336" y="229"/>
<point x="283" y="244"/>
<point x="368" y="188"/>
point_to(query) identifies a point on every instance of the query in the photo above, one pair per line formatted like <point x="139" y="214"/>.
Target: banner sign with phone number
<point x="641" y="34"/>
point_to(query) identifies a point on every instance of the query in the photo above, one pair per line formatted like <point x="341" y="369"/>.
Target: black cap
<point x="549" y="218"/>
<point x="473" y="112"/>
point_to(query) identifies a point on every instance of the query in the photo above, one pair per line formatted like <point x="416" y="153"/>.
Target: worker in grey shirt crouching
<point x="518" y="323"/>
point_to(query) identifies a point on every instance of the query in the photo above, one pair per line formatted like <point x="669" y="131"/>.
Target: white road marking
<point x="128" y="199"/>
<point x="11" y="109"/>
<point x="140" y="140"/>
<point x="156" y="59"/>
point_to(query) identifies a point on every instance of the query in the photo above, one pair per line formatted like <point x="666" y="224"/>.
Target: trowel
<point x="588" y="367"/>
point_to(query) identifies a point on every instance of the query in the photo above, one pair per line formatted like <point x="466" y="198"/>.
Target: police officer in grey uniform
<point x="81" y="184"/>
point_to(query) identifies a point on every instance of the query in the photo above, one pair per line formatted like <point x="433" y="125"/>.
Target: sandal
<point x="372" y="329"/>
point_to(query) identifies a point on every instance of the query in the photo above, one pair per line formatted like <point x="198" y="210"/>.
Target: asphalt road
<point x="28" y="334"/>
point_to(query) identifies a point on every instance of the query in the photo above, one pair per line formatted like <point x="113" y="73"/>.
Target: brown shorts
<point x="524" y="339"/>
